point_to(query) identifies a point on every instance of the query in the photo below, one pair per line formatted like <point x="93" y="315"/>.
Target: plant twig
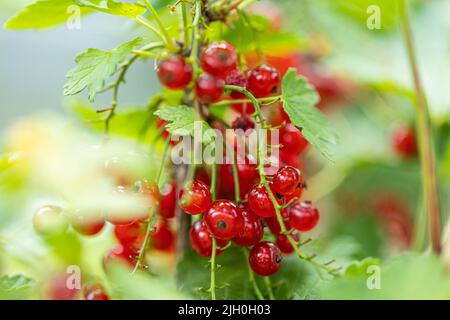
<point x="426" y="147"/>
<point x="269" y="288"/>
<point x="168" y="39"/>
<point x="212" y="287"/>
<point x="212" y="261"/>
<point x="116" y="85"/>
<point x="251" y="277"/>
<point x="261" y="161"/>
<point x="146" y="24"/>
<point x="152" y="216"/>
<point x="269" y="100"/>
<point x="186" y="26"/>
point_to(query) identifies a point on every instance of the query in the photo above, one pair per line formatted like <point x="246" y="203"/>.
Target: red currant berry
<point x="274" y="226"/>
<point x="163" y="238"/>
<point x="208" y="89"/>
<point x="95" y="292"/>
<point x="265" y="258"/>
<point x="87" y="226"/>
<point x="263" y="81"/>
<point x="292" y="139"/>
<point x="252" y="231"/>
<point x="287" y="180"/>
<point x="303" y="216"/>
<point x="195" y="198"/>
<point x="247" y="175"/>
<point x="284" y="244"/>
<point x="224" y="219"/>
<point x="259" y="201"/>
<point x="244" y="108"/>
<point x="201" y="241"/>
<point x="219" y="59"/>
<point x="130" y="233"/>
<point x="404" y="141"/>
<point x="203" y="176"/>
<point x="167" y="201"/>
<point x="236" y="78"/>
<point x="290" y="159"/>
<point x="296" y="194"/>
<point x="119" y="254"/>
<point x="50" y="220"/>
<point x="175" y="73"/>
<point x="243" y="122"/>
<point x="59" y="290"/>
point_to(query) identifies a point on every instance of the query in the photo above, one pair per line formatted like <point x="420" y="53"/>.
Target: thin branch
<point x="426" y="146"/>
<point x="268" y="100"/>
<point x="261" y="161"/>
<point x="169" y="41"/>
<point x="150" y="226"/>
<point x="269" y="288"/>
<point x="251" y="277"/>
<point x="212" y="287"/>
<point x="146" y="24"/>
<point x="117" y="83"/>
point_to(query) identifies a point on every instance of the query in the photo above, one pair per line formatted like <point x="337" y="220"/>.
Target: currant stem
<point x="195" y="37"/>
<point x="169" y="41"/>
<point x="251" y="277"/>
<point x="152" y="215"/>
<point x="253" y="100"/>
<point x="212" y="287"/>
<point x="145" y="23"/>
<point x="262" y="100"/>
<point x="116" y="85"/>
<point x="121" y="78"/>
<point x="261" y="161"/>
<point x="186" y="27"/>
<point x="213" y="181"/>
<point x="148" y="54"/>
<point x="234" y="169"/>
<point x="426" y="145"/>
<point x="269" y="288"/>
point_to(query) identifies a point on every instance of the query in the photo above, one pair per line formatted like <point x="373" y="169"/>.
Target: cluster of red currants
<point x="244" y="225"/>
<point x="224" y="219"/>
<point x="130" y="233"/>
<point x="219" y="62"/>
<point x="129" y="230"/>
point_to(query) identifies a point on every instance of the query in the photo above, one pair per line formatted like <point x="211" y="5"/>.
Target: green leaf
<point x="297" y="279"/>
<point x="130" y="10"/>
<point x="95" y="66"/>
<point x="183" y="120"/>
<point x="300" y="99"/>
<point x="16" y="287"/>
<point x="43" y="14"/>
<point x="359" y="268"/>
<point x="408" y="276"/>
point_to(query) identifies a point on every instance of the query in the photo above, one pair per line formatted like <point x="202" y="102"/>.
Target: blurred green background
<point x="370" y="197"/>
